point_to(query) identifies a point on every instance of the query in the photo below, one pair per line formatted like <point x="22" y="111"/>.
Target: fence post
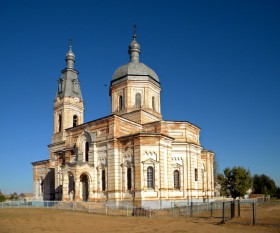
<point x="238" y="208"/>
<point x="89" y="208"/>
<point x="253" y="211"/>
<point x="211" y="208"/>
<point x="191" y="210"/>
<point x="232" y="209"/>
<point x="223" y="217"/>
<point x="126" y="210"/>
<point x="150" y="213"/>
<point x="106" y="210"/>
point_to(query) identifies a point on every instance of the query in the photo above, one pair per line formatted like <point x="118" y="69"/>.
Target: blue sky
<point x="218" y="63"/>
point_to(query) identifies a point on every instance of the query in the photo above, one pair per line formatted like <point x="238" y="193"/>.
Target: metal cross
<point x="70" y="42"/>
<point x="134" y="28"/>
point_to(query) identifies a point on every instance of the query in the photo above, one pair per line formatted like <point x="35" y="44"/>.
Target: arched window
<point x="120" y="102"/>
<point x="176" y="176"/>
<point x="150" y="177"/>
<point x="103" y="180"/>
<point x="59" y="123"/>
<point x="153" y="103"/>
<point x="86" y="151"/>
<point x="75" y="120"/>
<point x="75" y="86"/>
<point x="60" y="85"/>
<point x="129" y="178"/>
<point x="138" y="100"/>
<point x="195" y="174"/>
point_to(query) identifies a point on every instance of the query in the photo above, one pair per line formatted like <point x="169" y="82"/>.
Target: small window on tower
<point x="153" y="103"/>
<point x="60" y="82"/>
<point x="75" y="120"/>
<point x="138" y="100"/>
<point x="120" y="102"/>
<point x="59" y="123"/>
<point x="75" y="86"/>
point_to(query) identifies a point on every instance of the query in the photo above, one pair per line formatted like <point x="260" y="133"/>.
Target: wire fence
<point x="241" y="211"/>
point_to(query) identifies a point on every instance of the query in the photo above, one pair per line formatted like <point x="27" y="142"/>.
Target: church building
<point x="132" y="155"/>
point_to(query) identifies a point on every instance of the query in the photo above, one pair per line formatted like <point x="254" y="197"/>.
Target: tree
<point x="2" y="197"/>
<point x="263" y="184"/>
<point x="235" y="182"/>
<point x="278" y="192"/>
<point x="216" y="171"/>
<point x="14" y="196"/>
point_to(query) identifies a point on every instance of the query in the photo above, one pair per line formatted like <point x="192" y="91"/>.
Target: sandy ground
<point x="49" y="220"/>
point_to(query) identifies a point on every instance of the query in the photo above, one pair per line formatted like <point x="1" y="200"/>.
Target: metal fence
<point x="90" y="207"/>
<point x="241" y="211"/>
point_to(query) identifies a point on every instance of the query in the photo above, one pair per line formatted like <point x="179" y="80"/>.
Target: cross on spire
<point x="134" y="29"/>
<point x="70" y="42"/>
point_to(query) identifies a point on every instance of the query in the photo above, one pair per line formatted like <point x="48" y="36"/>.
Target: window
<point x="120" y="102"/>
<point x="103" y="180"/>
<point x="195" y="174"/>
<point x="75" y="86"/>
<point x="129" y="178"/>
<point x="138" y="100"/>
<point x="59" y="123"/>
<point x="153" y="103"/>
<point x="86" y="151"/>
<point x="150" y="177"/>
<point x="75" y="120"/>
<point x="63" y="160"/>
<point x="176" y="176"/>
<point x="60" y="82"/>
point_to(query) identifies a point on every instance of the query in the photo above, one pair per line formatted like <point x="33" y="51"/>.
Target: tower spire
<point x="70" y="56"/>
<point x="134" y="47"/>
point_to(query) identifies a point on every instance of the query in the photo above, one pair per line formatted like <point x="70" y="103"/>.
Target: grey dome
<point x="70" y="55"/>
<point x="134" y="45"/>
<point x="70" y="58"/>
<point x="135" y="68"/>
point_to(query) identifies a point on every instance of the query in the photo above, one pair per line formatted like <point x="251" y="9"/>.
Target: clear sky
<point x="218" y="63"/>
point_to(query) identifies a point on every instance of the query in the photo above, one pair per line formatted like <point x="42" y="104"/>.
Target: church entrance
<point x="71" y="186"/>
<point x="85" y="188"/>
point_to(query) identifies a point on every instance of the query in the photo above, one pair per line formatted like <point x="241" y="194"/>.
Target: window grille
<point x="120" y="102"/>
<point x="176" y="179"/>
<point x="150" y="177"/>
<point x="128" y="178"/>
<point x="153" y="103"/>
<point x="86" y="151"/>
<point x="103" y="180"/>
<point x="138" y="100"/>
<point x="75" y="120"/>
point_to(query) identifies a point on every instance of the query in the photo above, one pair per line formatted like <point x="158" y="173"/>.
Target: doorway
<point x="85" y="188"/>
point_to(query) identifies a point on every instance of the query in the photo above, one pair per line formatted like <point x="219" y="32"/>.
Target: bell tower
<point x="68" y="104"/>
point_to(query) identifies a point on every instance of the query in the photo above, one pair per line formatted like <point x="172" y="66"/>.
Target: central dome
<point x="134" y="67"/>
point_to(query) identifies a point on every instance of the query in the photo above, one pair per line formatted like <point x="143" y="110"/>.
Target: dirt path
<point x="47" y="220"/>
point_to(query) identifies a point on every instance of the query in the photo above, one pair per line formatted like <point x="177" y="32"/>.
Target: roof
<point x="138" y="69"/>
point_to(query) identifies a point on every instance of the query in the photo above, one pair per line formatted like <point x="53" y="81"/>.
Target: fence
<point x="90" y="207"/>
<point x="241" y="211"/>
